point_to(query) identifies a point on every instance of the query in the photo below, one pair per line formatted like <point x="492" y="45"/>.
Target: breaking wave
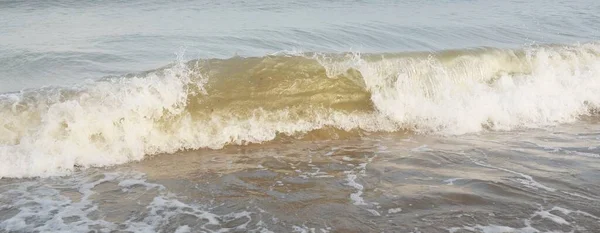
<point x="213" y="103"/>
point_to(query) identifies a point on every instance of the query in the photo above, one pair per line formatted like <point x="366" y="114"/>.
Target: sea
<point x="457" y="116"/>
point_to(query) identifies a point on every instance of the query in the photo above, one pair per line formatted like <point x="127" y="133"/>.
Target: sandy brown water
<point x="519" y="181"/>
<point x="493" y="107"/>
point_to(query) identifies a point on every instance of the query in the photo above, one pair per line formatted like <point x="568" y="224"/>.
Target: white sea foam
<point x="356" y="197"/>
<point x="394" y="210"/>
<point x="51" y="131"/>
<point x="543" y="214"/>
<point x="45" y="207"/>
<point x="498" y="90"/>
<point x="526" y="180"/>
<point x="494" y="229"/>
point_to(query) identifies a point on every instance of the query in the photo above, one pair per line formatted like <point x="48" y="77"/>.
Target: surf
<point x="212" y="103"/>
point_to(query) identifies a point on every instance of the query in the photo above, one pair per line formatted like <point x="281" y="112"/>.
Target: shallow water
<point x="300" y="116"/>
<point x="519" y="181"/>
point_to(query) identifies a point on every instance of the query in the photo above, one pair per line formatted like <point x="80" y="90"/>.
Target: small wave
<point x="217" y="102"/>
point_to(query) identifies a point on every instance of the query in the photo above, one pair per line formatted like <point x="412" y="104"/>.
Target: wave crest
<point x="213" y="103"/>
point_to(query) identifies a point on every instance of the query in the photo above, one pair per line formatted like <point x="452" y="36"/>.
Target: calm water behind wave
<point x="64" y="42"/>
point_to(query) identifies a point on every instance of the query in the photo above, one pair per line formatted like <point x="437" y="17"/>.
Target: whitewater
<point x="236" y="101"/>
<point x="463" y="116"/>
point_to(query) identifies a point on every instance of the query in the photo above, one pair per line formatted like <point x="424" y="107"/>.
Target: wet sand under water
<point x="518" y="181"/>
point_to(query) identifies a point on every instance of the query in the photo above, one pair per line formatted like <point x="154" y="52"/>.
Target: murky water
<point x="335" y="116"/>
<point x="521" y="181"/>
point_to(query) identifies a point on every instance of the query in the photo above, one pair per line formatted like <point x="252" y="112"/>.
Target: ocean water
<point x="300" y="116"/>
